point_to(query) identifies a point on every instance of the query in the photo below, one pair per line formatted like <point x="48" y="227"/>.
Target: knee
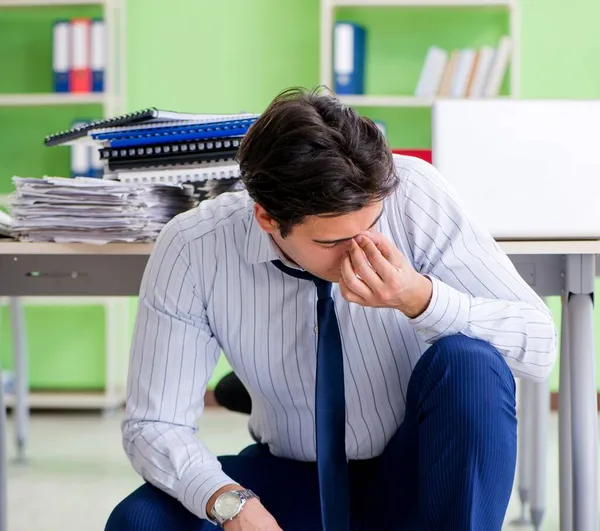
<point x="127" y="515"/>
<point x="140" y="511"/>
<point x="470" y="366"/>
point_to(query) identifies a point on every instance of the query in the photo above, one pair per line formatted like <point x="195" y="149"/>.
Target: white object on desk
<point x="526" y="169"/>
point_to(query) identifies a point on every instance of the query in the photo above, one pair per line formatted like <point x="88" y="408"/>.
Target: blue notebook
<point x="176" y="134"/>
<point x="151" y="115"/>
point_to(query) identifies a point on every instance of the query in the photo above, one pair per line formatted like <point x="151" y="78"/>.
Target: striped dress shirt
<point x="210" y="286"/>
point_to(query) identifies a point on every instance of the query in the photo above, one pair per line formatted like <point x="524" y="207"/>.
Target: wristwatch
<point x="229" y="504"/>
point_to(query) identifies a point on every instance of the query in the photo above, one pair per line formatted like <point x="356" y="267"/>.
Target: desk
<point x="564" y="268"/>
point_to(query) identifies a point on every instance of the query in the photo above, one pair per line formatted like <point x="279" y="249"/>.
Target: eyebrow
<point x="339" y="240"/>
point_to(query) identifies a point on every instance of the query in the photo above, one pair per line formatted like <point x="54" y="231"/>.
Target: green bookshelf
<point x="67" y="342"/>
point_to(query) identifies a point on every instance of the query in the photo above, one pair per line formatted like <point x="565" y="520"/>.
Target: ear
<point x="266" y="222"/>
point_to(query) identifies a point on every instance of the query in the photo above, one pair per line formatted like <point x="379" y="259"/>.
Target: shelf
<point x="44" y="3"/>
<point x="70" y="400"/>
<point x="22" y="100"/>
<point x="386" y="101"/>
<point x="421" y="3"/>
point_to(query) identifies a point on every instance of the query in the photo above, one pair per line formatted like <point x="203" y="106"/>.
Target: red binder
<point x="80" y="74"/>
<point x="424" y="154"/>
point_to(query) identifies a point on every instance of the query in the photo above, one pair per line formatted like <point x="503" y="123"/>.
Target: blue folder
<point x="189" y="132"/>
<point x="349" y="58"/>
<point x="181" y="135"/>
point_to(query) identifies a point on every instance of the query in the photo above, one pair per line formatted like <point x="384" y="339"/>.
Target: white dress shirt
<point x="210" y="286"/>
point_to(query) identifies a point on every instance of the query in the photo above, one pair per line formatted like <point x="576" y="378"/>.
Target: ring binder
<point x="136" y="118"/>
<point x="168" y="129"/>
<point x="182" y="134"/>
<point x="170" y="148"/>
<point x="182" y="175"/>
<point x="170" y="160"/>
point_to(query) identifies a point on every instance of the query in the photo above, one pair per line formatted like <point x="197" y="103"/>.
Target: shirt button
<point x="316" y="329"/>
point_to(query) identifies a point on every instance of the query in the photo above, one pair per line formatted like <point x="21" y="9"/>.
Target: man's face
<point x="319" y="243"/>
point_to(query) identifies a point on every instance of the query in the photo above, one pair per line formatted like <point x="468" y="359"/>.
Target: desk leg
<point x="17" y="318"/>
<point x="540" y="406"/>
<point x="584" y="416"/>
<point x="564" y="426"/>
<point x="3" y="464"/>
<point x="524" y="449"/>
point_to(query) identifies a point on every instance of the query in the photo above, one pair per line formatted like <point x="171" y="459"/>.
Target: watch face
<point x="227" y="505"/>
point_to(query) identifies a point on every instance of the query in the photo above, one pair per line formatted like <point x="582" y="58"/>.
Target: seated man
<point x="376" y="327"/>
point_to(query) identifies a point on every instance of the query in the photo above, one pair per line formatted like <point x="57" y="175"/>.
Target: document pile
<point x="156" y="146"/>
<point x="91" y="210"/>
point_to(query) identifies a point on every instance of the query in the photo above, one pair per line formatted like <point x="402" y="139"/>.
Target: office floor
<point x="77" y="471"/>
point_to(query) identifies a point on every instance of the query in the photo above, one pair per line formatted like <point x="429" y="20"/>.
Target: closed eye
<point x="329" y="245"/>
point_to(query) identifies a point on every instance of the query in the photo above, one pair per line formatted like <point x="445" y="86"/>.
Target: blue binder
<point x="349" y="58"/>
<point x="223" y="129"/>
<point x="60" y="55"/>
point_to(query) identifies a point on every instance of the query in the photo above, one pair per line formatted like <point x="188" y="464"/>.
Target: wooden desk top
<point x="10" y="247"/>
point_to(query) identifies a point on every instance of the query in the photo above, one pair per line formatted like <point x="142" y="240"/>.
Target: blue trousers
<point x="450" y="466"/>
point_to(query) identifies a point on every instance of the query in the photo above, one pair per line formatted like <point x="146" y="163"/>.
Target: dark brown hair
<point x="308" y="154"/>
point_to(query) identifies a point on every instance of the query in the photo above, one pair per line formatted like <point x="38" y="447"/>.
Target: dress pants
<point x="450" y="465"/>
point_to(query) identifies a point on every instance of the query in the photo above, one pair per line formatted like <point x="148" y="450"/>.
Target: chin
<point x="332" y="276"/>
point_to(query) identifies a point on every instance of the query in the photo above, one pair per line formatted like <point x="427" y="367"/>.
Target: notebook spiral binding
<point x="216" y="171"/>
<point x="82" y="130"/>
<point x="132" y="152"/>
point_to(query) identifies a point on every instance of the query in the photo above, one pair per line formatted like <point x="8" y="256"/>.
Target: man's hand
<point x="375" y="273"/>
<point x="253" y="517"/>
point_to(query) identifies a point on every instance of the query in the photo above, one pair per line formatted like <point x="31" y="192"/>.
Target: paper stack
<point x="91" y="210"/>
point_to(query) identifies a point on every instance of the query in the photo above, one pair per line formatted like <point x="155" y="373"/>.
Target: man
<point x="383" y="401"/>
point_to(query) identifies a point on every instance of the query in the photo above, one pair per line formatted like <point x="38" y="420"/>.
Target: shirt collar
<point x="260" y="247"/>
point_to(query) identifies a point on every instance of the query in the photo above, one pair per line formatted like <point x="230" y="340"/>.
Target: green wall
<point x="235" y="55"/>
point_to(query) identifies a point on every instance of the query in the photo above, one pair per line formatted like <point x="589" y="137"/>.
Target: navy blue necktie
<point x="330" y="407"/>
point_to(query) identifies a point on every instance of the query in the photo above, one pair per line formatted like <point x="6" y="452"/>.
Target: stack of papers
<point x="85" y="210"/>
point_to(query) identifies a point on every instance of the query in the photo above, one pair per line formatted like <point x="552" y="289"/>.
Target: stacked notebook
<point x="88" y="210"/>
<point x="156" y="146"/>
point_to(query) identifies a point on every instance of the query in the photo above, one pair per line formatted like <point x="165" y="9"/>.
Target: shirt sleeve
<point x="476" y="288"/>
<point x="172" y="358"/>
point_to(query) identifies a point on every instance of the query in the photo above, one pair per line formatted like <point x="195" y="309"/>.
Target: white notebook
<point x="185" y="174"/>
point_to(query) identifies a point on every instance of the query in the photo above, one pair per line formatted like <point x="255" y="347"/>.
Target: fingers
<point x="364" y="267"/>
<point x="379" y="261"/>
<point x="352" y="288"/>
<point x="349" y="295"/>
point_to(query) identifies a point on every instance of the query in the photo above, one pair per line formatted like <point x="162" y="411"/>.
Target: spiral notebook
<point x="192" y="174"/>
<point x="170" y="160"/>
<point x="147" y="116"/>
<point x="181" y="133"/>
<point x="170" y="149"/>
